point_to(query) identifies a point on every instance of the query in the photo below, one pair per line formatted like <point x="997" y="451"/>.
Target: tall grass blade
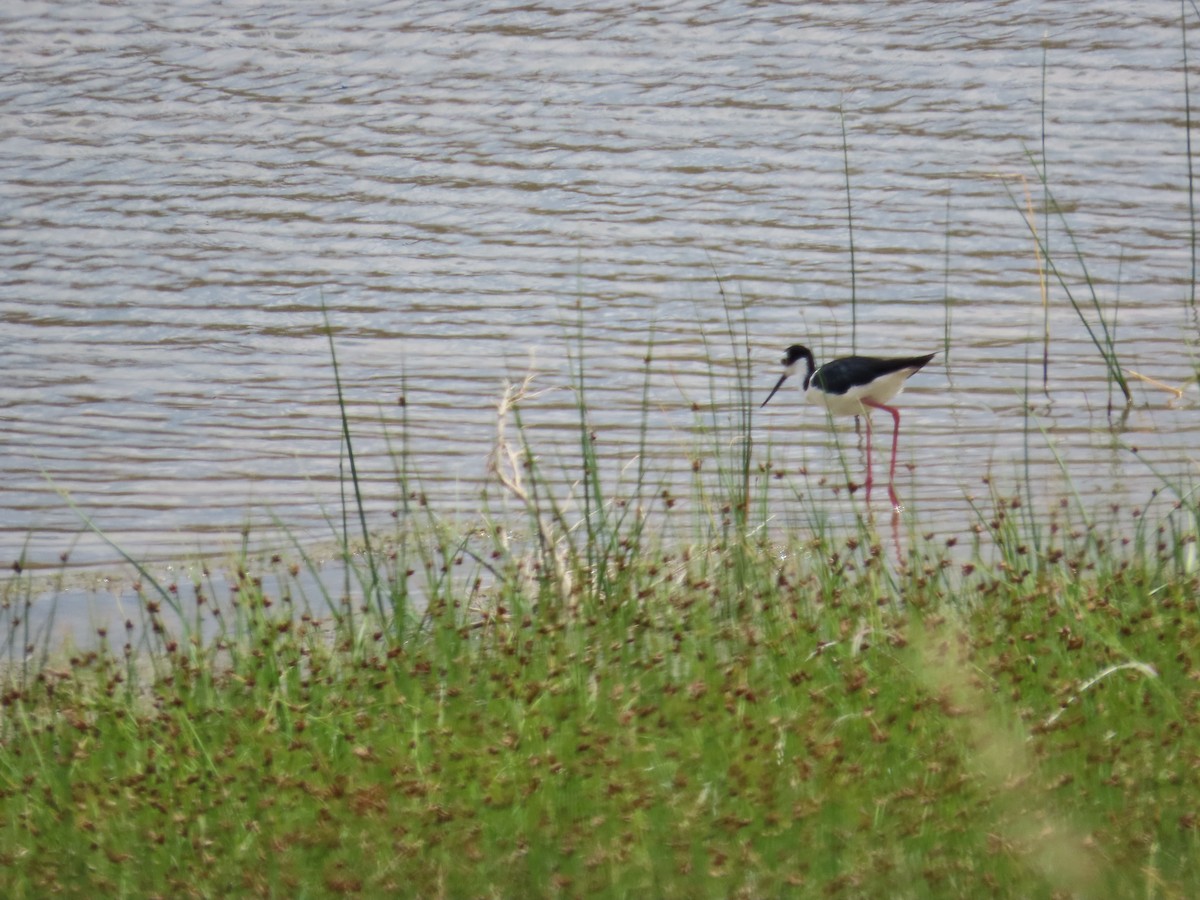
<point x="1187" y="136"/>
<point x="142" y="571"/>
<point x="594" y="513"/>
<point x="1104" y="342"/>
<point x="947" y="300"/>
<point x="850" y="235"/>
<point x="744" y="407"/>
<point x="372" y="593"/>
<point x="1045" y="226"/>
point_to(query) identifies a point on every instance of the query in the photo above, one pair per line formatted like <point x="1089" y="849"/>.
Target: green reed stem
<point x="1026" y="407"/>
<point x="1187" y="136"/>
<point x="947" y="300"/>
<point x="597" y="532"/>
<point x="1045" y="223"/>
<point x="372" y="592"/>
<point x="142" y="571"/>
<point x="743" y="404"/>
<point x="1105" y="342"/>
<point x="850" y="235"/>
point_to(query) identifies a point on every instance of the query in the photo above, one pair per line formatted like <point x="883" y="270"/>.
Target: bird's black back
<point x="840" y="375"/>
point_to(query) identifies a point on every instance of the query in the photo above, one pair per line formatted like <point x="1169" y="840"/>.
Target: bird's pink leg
<point x="895" y="440"/>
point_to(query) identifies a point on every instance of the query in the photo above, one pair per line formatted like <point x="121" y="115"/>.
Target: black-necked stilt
<point x="853" y="385"/>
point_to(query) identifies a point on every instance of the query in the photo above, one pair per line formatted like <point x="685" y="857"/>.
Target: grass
<point x="604" y="708"/>
<point x="809" y="733"/>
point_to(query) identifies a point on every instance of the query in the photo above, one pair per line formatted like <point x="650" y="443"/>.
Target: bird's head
<point x="791" y="360"/>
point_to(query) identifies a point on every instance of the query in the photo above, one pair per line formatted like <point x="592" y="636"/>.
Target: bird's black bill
<point x="778" y="385"/>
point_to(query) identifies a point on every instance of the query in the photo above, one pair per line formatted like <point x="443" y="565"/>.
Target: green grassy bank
<point x="617" y="716"/>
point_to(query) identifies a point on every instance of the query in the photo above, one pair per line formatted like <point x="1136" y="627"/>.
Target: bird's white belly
<point x="851" y="402"/>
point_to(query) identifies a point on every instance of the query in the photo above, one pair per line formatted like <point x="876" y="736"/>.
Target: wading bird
<point x="853" y="386"/>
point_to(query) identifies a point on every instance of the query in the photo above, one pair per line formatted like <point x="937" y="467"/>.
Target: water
<point x="185" y="186"/>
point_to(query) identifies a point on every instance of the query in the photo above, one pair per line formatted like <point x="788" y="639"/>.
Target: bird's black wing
<point x="840" y="375"/>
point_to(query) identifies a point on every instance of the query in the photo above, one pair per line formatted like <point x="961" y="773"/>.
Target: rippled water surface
<point x="461" y="184"/>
